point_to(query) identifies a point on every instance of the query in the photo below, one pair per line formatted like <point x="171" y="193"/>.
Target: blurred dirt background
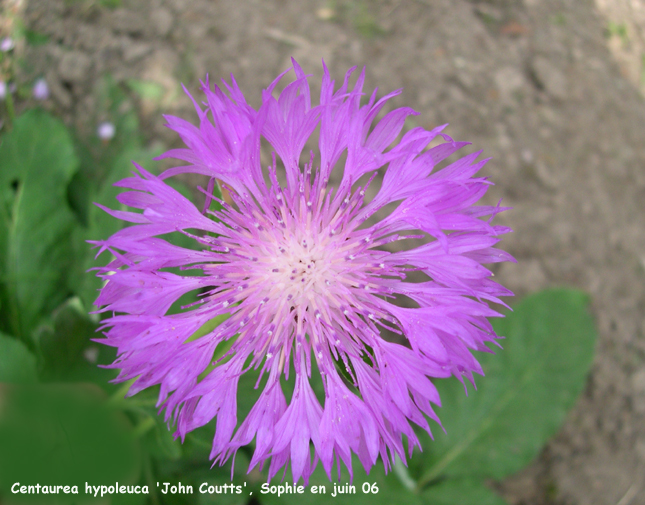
<point x="552" y="90"/>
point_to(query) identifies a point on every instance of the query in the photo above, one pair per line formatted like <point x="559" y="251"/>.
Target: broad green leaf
<point x="64" y="341"/>
<point x="17" y="364"/>
<point x="90" y="367"/>
<point x="529" y="387"/>
<point x="37" y="161"/>
<point x="461" y="492"/>
<point x="160" y="441"/>
<point x="64" y="435"/>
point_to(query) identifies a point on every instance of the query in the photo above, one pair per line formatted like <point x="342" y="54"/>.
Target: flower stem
<point x="143" y="427"/>
<point x="118" y="397"/>
<point x="11" y="113"/>
<point x="401" y="471"/>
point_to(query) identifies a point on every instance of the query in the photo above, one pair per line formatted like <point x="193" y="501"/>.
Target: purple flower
<point x="6" y="44"/>
<point x="306" y="277"/>
<point x="40" y="90"/>
<point x="3" y="90"/>
<point x="106" y="130"/>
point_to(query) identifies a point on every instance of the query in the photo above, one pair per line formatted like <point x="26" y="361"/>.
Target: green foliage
<point x="37" y="162"/>
<point x="63" y="343"/>
<point x="17" y="364"/>
<point x="146" y="89"/>
<point x="48" y="179"/>
<point x="35" y="38"/>
<point x="64" y="435"/>
<point x="528" y="389"/>
<point x="461" y="491"/>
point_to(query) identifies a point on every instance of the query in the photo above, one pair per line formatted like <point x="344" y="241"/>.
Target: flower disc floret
<point x="297" y="275"/>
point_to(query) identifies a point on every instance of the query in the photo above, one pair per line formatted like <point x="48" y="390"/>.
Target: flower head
<point x="303" y="282"/>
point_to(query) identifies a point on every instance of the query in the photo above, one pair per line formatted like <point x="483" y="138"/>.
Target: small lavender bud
<point x="40" y="90"/>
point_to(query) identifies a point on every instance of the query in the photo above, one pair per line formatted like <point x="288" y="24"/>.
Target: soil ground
<point x="548" y="88"/>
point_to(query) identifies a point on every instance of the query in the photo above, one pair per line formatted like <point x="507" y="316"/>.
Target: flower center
<point x="300" y="268"/>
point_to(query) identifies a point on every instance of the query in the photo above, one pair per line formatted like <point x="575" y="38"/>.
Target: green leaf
<point x="64" y="435"/>
<point x="63" y="341"/>
<point x="17" y="364"/>
<point x="160" y="441"/>
<point x="37" y="161"/>
<point x="148" y="90"/>
<point x="529" y="387"/>
<point x="461" y="492"/>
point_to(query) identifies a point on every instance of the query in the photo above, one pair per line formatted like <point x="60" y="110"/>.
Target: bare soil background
<point x="548" y="88"/>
